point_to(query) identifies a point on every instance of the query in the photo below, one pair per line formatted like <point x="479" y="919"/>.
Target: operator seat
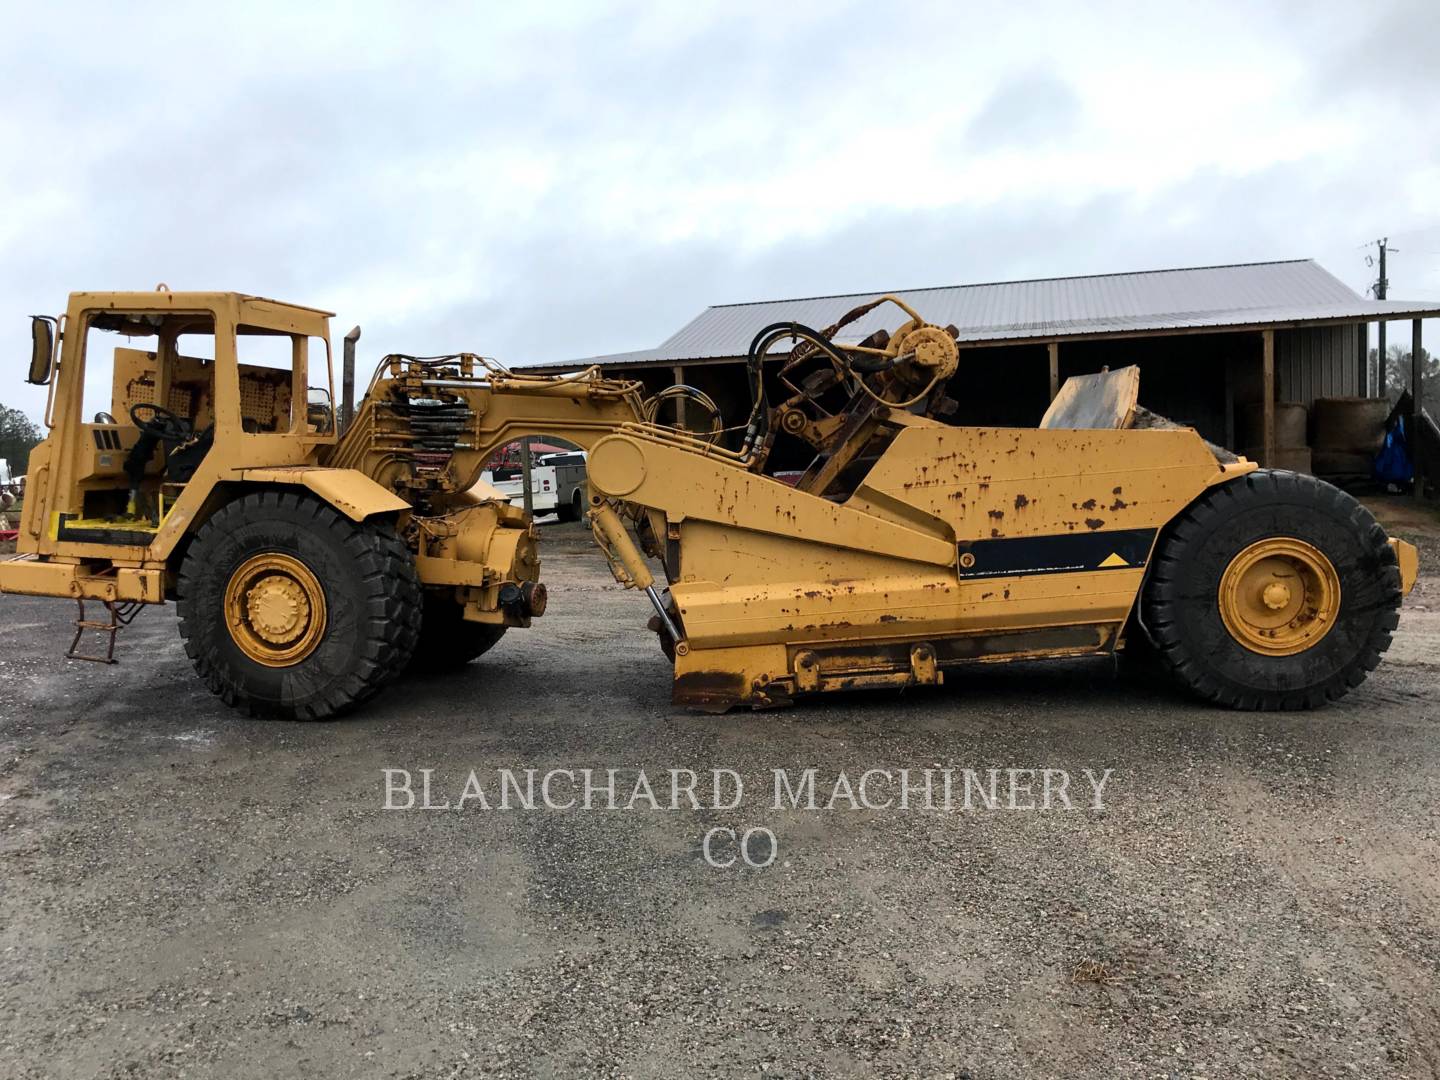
<point x="184" y="449"/>
<point x="185" y="458"/>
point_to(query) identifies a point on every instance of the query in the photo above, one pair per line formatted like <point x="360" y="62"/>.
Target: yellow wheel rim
<point x="275" y="609"/>
<point x="1279" y="596"/>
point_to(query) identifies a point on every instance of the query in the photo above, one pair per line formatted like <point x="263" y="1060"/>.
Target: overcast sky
<point x="539" y="181"/>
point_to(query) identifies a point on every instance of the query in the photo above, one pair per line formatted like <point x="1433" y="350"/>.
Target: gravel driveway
<point x="187" y="893"/>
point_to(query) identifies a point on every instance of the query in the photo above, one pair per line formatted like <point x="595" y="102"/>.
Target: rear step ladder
<point x="121" y="615"/>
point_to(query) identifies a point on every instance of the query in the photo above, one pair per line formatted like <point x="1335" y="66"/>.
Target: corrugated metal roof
<point x="1244" y="294"/>
<point x="607" y="360"/>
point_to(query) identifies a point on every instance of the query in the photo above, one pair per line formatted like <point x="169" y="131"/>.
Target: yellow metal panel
<point x="1009" y="482"/>
<point x="289" y="317"/>
<point x="352" y="493"/>
<point x="165" y="300"/>
<point x="897" y="602"/>
<point x="32" y="511"/>
<point x="27" y="576"/>
<point x="152" y="300"/>
<point x="691" y="485"/>
<point x="440" y="571"/>
<point x="1409" y="559"/>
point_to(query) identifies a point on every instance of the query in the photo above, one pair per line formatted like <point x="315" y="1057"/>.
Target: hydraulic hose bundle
<point x="916" y="352"/>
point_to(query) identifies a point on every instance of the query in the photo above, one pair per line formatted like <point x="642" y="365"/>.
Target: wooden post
<point x="1267" y="400"/>
<point x="1362" y="333"/>
<point x="1230" y="404"/>
<point x="1380" y="366"/>
<point x="1054" y="350"/>
<point x="1417" y="386"/>
<point x="678" y="373"/>
<point x="525" y="476"/>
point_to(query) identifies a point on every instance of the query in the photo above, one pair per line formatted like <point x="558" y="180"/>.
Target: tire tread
<point x="392" y="627"/>
<point x="1163" y="596"/>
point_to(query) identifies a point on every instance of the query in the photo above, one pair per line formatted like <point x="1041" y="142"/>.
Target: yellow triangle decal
<point x="1114" y="560"/>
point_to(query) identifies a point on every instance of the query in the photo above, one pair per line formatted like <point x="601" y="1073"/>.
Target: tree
<point x="1397" y="375"/>
<point x="18" y="436"/>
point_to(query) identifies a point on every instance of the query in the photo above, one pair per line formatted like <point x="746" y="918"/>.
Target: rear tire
<point x="574" y="510"/>
<point x="1230" y="651"/>
<point x="447" y="639"/>
<point x="354" y="584"/>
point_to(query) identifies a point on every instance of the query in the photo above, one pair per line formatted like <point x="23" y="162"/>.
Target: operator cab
<point x="148" y="394"/>
<point x="138" y="411"/>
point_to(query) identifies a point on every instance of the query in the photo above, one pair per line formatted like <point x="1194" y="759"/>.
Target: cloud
<point x="1388" y="60"/>
<point x="1033" y="108"/>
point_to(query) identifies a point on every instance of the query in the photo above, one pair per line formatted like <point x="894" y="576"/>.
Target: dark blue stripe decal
<point x="1065" y="553"/>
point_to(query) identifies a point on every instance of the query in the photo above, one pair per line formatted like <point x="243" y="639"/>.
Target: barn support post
<point x="1362" y="334"/>
<point x="678" y="374"/>
<point x="1417" y="386"/>
<point x="1054" y="350"/>
<point x="1267" y="399"/>
<point x="1380" y="362"/>
<point x="1230" y="403"/>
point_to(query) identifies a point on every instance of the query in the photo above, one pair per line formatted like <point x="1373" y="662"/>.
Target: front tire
<point x="291" y="611"/>
<point x="1272" y="591"/>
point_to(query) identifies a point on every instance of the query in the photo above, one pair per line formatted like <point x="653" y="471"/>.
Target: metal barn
<point x="1218" y="346"/>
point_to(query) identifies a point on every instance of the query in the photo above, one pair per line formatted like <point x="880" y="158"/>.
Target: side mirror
<point x="42" y="349"/>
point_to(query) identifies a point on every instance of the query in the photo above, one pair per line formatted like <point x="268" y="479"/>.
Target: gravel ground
<point x="187" y="893"/>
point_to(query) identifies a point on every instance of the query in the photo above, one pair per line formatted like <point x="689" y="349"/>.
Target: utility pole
<point x="1380" y="288"/>
<point x="525" y="474"/>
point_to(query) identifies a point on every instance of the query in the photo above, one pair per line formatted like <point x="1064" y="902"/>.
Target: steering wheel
<point x="162" y="423"/>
